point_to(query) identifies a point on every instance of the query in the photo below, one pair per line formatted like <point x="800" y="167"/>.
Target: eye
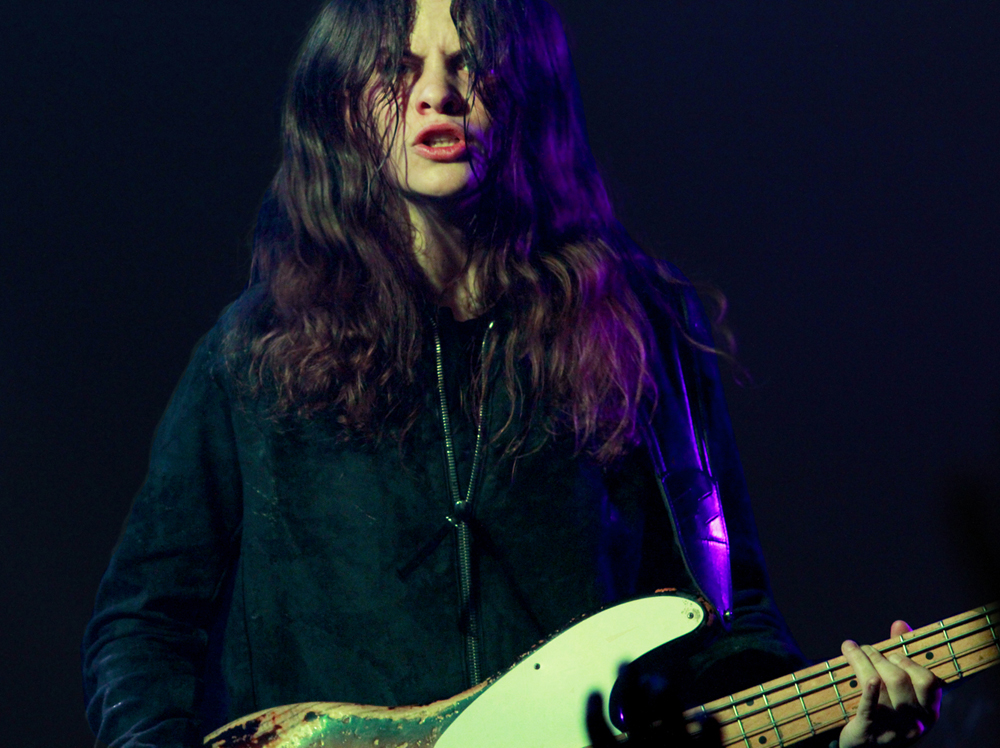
<point x="460" y="63"/>
<point x="408" y="67"/>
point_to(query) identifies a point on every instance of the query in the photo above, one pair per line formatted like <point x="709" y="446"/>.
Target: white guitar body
<point x="519" y="709"/>
<point x="539" y="703"/>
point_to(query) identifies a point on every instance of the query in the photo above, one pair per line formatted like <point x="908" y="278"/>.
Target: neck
<point x="808" y="702"/>
<point x="441" y="250"/>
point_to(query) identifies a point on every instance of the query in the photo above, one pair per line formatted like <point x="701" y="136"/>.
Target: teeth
<point x="438" y="141"/>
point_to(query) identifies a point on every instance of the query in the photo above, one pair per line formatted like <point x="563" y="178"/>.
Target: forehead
<point x="433" y="29"/>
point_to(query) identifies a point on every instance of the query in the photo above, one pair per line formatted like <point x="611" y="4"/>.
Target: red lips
<point x="441" y="142"/>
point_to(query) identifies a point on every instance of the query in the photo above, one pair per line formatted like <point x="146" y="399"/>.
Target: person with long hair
<point x="455" y="409"/>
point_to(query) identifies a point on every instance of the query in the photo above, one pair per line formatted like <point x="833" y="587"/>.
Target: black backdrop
<point x="832" y="166"/>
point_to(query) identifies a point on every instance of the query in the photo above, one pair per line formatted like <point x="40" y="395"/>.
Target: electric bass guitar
<point x="539" y="702"/>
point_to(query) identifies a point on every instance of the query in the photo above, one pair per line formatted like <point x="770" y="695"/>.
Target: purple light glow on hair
<point x="336" y="319"/>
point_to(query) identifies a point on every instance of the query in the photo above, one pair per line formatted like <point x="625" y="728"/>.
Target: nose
<point x="436" y="91"/>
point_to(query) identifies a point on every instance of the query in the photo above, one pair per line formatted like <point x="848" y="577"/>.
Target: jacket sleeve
<point x="758" y="645"/>
<point x="144" y="649"/>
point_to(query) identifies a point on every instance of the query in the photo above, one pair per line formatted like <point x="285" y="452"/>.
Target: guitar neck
<point x="819" y="698"/>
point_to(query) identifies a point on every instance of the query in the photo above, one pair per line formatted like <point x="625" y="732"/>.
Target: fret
<point x="776" y="714"/>
<point x="992" y="628"/>
<point x="840" y="699"/>
<point x="802" y="701"/>
<point x="951" y="650"/>
<point x="811" y="701"/>
<point x="978" y="660"/>
<point x="821" y="701"/>
<point x="739" y="721"/>
<point x="770" y="715"/>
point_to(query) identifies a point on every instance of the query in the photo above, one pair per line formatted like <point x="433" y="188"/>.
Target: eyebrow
<point x="451" y="58"/>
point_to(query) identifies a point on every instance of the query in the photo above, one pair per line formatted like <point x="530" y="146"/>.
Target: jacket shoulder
<point x="223" y="350"/>
<point x="669" y="298"/>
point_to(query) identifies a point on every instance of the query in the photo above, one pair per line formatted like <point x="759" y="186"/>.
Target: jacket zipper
<point x="462" y="508"/>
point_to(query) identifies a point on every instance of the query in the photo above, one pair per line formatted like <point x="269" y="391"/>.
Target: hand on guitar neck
<point x="873" y="695"/>
<point x="900" y="700"/>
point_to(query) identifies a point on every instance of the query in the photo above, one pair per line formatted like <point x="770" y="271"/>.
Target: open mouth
<point x="441" y="142"/>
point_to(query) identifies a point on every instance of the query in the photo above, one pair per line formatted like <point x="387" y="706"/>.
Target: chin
<point x="444" y="190"/>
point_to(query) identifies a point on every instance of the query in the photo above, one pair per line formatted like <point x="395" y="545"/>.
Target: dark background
<point x="832" y="166"/>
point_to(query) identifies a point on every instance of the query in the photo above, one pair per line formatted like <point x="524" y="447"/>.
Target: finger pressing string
<point x="869" y="699"/>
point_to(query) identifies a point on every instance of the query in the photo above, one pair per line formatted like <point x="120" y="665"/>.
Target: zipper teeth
<point x="477" y="453"/>
<point x="472" y="618"/>
<point x="472" y="656"/>
<point x="449" y="448"/>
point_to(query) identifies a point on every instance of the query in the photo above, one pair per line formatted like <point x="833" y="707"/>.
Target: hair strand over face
<point x="337" y="315"/>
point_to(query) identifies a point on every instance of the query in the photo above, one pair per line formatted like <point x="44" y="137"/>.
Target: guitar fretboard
<point x="811" y="701"/>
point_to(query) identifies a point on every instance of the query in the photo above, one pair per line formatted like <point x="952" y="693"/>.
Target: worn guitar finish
<point x="539" y="703"/>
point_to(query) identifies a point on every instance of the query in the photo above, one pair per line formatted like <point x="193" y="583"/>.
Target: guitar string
<point x="832" y="668"/>
<point x="745" y="735"/>
<point x="921" y="634"/>
<point x="822" y="725"/>
<point x="980" y="615"/>
<point x="776" y="723"/>
<point x="889" y="649"/>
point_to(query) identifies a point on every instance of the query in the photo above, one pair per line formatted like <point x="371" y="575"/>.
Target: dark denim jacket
<point x="261" y="562"/>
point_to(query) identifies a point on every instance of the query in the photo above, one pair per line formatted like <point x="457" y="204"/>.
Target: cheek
<point x="386" y="119"/>
<point x="484" y="143"/>
<point x="482" y="121"/>
<point x="478" y="114"/>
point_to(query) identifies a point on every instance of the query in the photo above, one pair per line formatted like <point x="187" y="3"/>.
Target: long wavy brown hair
<point x="337" y="313"/>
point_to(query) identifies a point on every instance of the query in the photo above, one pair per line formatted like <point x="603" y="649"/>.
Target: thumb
<point x="597" y="726"/>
